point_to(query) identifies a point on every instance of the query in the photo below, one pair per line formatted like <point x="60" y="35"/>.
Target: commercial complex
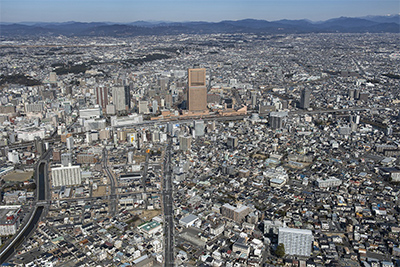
<point x="64" y="176"/>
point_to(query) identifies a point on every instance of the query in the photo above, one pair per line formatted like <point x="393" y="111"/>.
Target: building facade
<point x="197" y="90"/>
<point x="305" y="99"/>
<point x="102" y="96"/>
<point x="235" y="213"/>
<point x="277" y="120"/>
<point x="121" y="98"/>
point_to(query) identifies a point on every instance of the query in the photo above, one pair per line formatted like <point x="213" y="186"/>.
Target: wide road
<point x="144" y="177"/>
<point x="168" y="208"/>
<point x="113" y="197"/>
<point x="21" y="238"/>
<point x="9" y="249"/>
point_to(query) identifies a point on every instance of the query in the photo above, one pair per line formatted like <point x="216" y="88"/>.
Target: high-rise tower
<point x="121" y="98"/>
<point x="197" y="90"/>
<point x="127" y="93"/>
<point x="305" y="99"/>
<point x="102" y="96"/>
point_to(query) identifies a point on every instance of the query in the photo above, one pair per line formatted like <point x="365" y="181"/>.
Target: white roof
<point x="295" y="230"/>
<point x="189" y="219"/>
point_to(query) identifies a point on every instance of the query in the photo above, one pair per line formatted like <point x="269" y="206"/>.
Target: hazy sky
<point x="189" y="10"/>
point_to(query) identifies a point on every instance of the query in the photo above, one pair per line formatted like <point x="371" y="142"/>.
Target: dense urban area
<point x="200" y="150"/>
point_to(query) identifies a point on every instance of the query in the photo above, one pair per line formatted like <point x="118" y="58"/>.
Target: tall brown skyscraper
<point x="197" y="90"/>
<point x="102" y="96"/>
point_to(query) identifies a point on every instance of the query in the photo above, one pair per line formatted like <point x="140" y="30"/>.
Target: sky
<point x="188" y="10"/>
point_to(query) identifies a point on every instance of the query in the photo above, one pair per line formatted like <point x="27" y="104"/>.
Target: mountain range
<point x="371" y="24"/>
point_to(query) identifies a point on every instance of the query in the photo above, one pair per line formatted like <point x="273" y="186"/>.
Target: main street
<point x="144" y="176"/>
<point x="168" y="208"/>
<point x="113" y="197"/>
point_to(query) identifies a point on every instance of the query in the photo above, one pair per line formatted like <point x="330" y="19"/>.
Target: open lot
<point x="139" y="158"/>
<point x="101" y="191"/>
<point x="18" y="176"/>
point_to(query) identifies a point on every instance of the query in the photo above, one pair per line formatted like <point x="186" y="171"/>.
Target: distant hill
<point x="372" y="24"/>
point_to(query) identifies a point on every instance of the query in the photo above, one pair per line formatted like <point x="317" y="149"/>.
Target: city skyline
<point x="123" y="11"/>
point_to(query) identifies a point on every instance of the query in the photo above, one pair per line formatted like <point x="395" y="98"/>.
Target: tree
<point x="280" y="250"/>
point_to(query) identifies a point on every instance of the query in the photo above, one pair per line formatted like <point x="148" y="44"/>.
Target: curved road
<point x="9" y="249"/>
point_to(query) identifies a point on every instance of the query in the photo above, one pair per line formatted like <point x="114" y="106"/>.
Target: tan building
<point x="235" y="213"/>
<point x="85" y="159"/>
<point x="56" y="155"/>
<point x="197" y="90"/>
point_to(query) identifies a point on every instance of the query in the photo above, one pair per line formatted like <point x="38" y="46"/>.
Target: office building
<point x="235" y="213"/>
<point x="253" y="99"/>
<point x="102" y="96"/>
<point x="305" y="99"/>
<point x="232" y="142"/>
<point x="197" y="90"/>
<point x="199" y="128"/>
<point x="277" y="120"/>
<point x="154" y="106"/>
<point x="70" y="142"/>
<point x="127" y="94"/>
<point x="296" y="241"/>
<point x="121" y="98"/>
<point x="185" y="143"/>
<point x="143" y="107"/>
<point x="66" y="159"/>
<point x="118" y="94"/>
<point x="65" y="176"/>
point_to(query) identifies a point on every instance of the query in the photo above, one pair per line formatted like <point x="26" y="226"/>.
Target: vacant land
<point x="101" y="191"/>
<point x="18" y="176"/>
<point x="139" y="158"/>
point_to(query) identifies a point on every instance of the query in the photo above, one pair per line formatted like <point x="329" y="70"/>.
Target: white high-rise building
<point x="199" y="128"/>
<point x="296" y="241"/>
<point x="185" y="142"/>
<point x="63" y="176"/>
<point x="70" y="143"/>
<point x="118" y="98"/>
<point x="13" y="157"/>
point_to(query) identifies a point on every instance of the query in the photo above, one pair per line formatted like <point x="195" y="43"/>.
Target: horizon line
<point x="190" y="21"/>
